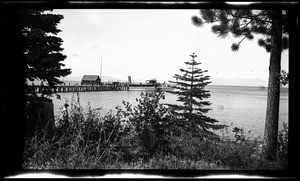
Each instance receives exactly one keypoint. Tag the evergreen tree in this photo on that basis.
(41, 47)
(189, 88)
(273, 26)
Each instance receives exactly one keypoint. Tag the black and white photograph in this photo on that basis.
(175, 88)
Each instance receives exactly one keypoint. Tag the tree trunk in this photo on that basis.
(272, 113)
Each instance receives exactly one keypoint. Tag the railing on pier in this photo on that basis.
(79, 88)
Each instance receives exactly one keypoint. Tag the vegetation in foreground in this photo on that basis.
(150, 135)
(143, 137)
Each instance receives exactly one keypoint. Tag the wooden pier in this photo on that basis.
(142, 85)
(79, 88)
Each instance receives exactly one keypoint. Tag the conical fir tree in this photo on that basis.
(189, 88)
(42, 47)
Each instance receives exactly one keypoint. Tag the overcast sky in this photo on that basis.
(148, 44)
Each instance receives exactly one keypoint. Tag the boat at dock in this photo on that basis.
(149, 88)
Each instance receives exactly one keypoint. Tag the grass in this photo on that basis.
(111, 141)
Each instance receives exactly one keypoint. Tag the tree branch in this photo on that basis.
(242, 40)
(251, 17)
(239, 28)
(245, 36)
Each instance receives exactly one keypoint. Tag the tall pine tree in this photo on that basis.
(273, 26)
(190, 89)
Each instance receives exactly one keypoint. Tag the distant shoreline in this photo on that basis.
(244, 86)
(73, 82)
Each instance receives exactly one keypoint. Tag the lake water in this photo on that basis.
(241, 106)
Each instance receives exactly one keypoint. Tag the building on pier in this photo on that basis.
(90, 80)
(152, 81)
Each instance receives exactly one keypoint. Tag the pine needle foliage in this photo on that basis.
(42, 47)
(243, 24)
(190, 89)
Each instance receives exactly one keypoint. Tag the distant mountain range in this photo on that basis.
(239, 81)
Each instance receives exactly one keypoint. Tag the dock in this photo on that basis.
(79, 88)
(92, 88)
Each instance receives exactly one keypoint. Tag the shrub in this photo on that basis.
(234, 154)
(173, 162)
(165, 162)
(185, 146)
(240, 153)
(150, 123)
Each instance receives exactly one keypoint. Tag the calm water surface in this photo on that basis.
(238, 105)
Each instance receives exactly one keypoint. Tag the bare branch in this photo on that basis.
(242, 39)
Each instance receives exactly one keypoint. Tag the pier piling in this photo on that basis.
(80, 88)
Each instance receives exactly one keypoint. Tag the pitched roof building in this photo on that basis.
(90, 80)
